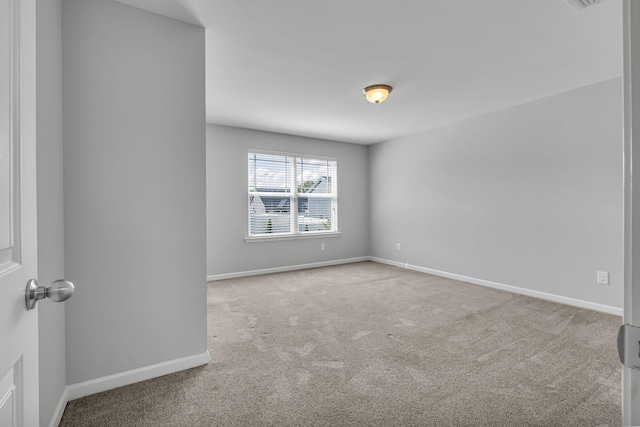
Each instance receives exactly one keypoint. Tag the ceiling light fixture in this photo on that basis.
(376, 93)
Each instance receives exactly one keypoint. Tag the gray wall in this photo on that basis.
(227, 212)
(50, 207)
(134, 188)
(528, 196)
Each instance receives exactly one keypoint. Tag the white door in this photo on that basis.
(18, 327)
(631, 33)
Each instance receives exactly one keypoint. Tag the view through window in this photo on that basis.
(291, 194)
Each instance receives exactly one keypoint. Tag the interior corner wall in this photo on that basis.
(51, 317)
(134, 188)
(227, 210)
(529, 196)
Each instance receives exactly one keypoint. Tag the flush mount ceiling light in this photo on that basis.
(376, 93)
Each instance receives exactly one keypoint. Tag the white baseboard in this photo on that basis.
(57, 414)
(514, 289)
(85, 388)
(286, 268)
(522, 291)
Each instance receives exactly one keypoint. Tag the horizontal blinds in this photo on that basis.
(270, 194)
(315, 183)
(316, 215)
(269, 173)
(314, 176)
(285, 190)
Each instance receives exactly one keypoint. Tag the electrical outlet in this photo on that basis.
(603, 278)
(397, 246)
(322, 246)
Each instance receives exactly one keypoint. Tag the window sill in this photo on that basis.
(256, 239)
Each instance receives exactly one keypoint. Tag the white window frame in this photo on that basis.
(294, 196)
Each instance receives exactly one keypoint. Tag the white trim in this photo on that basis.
(514, 289)
(509, 288)
(62, 404)
(285, 268)
(85, 388)
(278, 237)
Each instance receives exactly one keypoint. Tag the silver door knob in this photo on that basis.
(60, 290)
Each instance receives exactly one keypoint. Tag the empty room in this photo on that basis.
(339, 213)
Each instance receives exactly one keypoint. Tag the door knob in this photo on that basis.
(60, 290)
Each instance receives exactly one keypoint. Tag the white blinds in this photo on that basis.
(291, 195)
(314, 176)
(315, 180)
(270, 194)
(270, 173)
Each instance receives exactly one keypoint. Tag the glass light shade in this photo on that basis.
(376, 93)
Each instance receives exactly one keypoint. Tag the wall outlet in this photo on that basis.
(603, 278)
(322, 246)
(397, 246)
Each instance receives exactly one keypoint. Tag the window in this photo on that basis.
(290, 195)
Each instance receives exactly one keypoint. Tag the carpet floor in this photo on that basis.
(367, 344)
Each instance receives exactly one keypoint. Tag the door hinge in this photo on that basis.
(629, 346)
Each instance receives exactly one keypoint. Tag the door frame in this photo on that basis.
(631, 118)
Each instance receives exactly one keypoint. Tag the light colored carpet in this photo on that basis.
(371, 345)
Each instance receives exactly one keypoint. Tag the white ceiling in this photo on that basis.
(298, 67)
